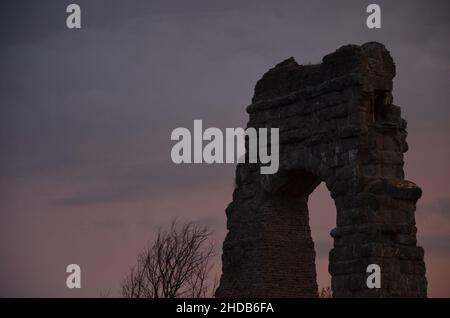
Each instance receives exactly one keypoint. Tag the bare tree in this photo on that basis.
(105, 293)
(177, 264)
(326, 292)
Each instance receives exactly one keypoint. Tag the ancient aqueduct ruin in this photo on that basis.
(338, 125)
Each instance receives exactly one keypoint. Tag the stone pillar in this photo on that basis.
(338, 125)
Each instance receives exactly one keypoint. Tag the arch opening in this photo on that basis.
(309, 211)
(320, 214)
(322, 219)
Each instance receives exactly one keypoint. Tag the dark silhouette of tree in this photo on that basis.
(326, 292)
(177, 264)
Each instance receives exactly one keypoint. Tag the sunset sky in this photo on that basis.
(86, 116)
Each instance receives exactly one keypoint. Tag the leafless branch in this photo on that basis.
(177, 264)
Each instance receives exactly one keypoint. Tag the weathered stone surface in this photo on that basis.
(338, 125)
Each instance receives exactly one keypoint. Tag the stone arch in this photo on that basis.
(338, 124)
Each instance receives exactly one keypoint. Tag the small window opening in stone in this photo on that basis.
(380, 105)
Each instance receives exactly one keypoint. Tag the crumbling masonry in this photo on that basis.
(338, 125)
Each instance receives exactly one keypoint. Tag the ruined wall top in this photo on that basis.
(371, 59)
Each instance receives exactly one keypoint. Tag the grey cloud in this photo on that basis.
(135, 72)
(435, 245)
(148, 182)
(323, 248)
(439, 207)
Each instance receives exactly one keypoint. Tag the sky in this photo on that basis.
(86, 116)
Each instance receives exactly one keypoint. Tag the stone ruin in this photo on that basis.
(338, 125)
